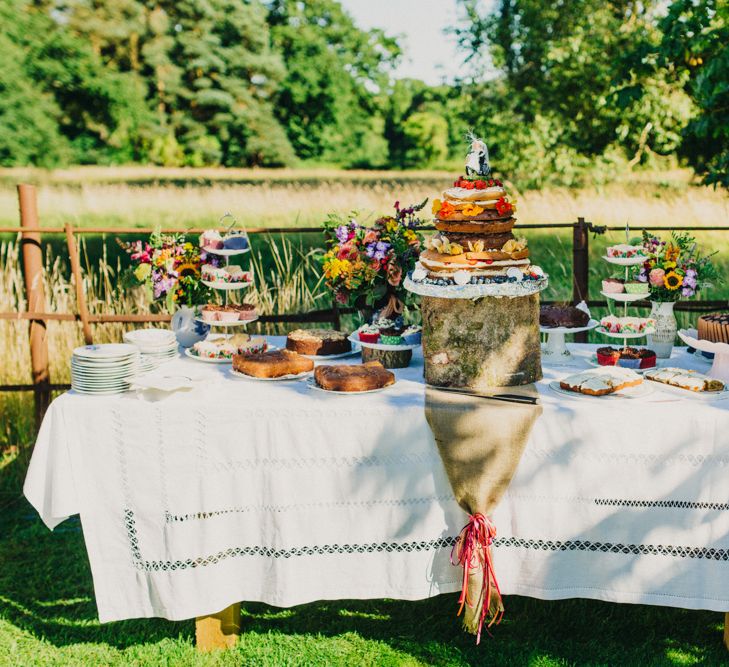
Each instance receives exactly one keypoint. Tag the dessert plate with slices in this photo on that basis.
(351, 380)
(688, 383)
(607, 382)
(220, 349)
(311, 383)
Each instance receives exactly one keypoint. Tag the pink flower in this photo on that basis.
(656, 277)
(342, 297)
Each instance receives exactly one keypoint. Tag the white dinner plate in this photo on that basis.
(106, 351)
(638, 391)
(311, 383)
(243, 376)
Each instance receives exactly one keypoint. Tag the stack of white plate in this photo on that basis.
(156, 345)
(104, 369)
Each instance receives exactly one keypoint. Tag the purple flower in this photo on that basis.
(689, 280)
(642, 276)
(688, 292)
(342, 233)
(381, 250)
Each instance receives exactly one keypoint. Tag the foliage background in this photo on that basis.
(565, 92)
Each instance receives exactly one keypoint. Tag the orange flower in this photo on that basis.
(446, 210)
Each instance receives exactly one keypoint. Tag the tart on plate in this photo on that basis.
(601, 381)
(272, 364)
(364, 377)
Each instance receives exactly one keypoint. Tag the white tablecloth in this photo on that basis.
(274, 492)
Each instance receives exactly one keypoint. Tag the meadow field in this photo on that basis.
(47, 613)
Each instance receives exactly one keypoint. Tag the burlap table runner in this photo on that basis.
(480, 442)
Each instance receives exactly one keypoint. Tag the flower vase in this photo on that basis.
(661, 342)
(188, 330)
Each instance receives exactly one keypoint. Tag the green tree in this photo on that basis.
(570, 82)
(695, 45)
(330, 101)
(209, 72)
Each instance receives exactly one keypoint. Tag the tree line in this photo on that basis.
(559, 89)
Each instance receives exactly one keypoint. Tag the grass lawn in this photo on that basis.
(48, 617)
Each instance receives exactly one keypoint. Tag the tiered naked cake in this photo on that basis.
(480, 292)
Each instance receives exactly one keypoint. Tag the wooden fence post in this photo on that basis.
(35, 296)
(580, 267)
(83, 311)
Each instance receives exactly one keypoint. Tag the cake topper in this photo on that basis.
(477, 160)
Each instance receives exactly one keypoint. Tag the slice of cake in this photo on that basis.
(364, 377)
(272, 364)
(318, 342)
(601, 381)
(685, 379)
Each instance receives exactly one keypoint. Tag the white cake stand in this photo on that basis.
(555, 351)
(720, 368)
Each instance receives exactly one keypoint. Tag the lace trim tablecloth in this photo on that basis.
(272, 492)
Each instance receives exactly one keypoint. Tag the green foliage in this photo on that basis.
(695, 45)
(328, 99)
(576, 81)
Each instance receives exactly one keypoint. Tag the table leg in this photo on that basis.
(219, 630)
(726, 630)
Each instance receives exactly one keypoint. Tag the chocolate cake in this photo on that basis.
(364, 377)
(714, 327)
(318, 342)
(562, 316)
(272, 364)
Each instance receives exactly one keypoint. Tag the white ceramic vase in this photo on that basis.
(187, 330)
(661, 342)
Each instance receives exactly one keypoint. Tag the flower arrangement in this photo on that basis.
(170, 265)
(674, 269)
(366, 265)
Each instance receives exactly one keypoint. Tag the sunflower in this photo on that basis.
(188, 269)
(672, 280)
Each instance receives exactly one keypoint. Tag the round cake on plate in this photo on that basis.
(318, 342)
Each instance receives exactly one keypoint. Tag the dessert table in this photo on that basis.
(274, 492)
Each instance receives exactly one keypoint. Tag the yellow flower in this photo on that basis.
(669, 265)
(472, 210)
(672, 253)
(672, 280)
(391, 225)
(410, 235)
(436, 206)
(188, 246)
(141, 273)
(337, 267)
(188, 269)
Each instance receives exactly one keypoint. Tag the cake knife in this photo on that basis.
(510, 398)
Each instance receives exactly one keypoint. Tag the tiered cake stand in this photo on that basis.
(226, 288)
(624, 298)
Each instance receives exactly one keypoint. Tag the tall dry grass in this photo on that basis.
(288, 283)
(106, 197)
